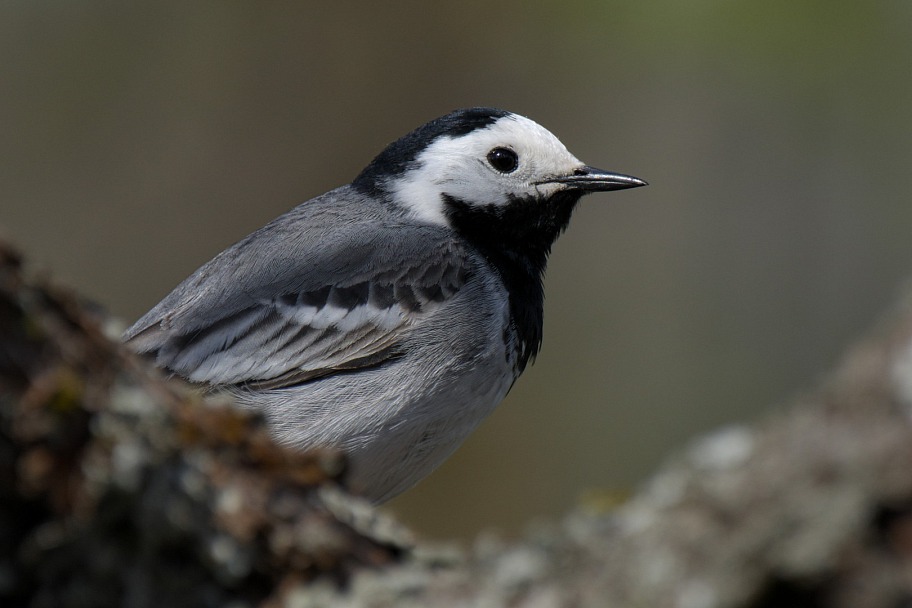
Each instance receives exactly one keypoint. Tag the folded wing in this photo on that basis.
(284, 307)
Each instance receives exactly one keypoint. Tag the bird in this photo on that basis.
(388, 317)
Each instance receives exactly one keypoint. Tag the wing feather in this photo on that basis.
(306, 296)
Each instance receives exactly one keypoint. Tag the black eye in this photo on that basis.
(503, 159)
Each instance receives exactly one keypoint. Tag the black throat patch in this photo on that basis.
(516, 239)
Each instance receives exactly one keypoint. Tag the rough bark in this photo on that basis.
(122, 488)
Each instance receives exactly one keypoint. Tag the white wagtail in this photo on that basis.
(388, 317)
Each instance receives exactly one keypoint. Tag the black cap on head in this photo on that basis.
(397, 156)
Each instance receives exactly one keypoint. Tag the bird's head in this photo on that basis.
(481, 158)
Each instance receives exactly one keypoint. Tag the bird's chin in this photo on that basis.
(546, 190)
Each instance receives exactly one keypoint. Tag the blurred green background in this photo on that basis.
(139, 139)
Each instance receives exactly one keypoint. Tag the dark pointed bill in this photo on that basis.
(591, 179)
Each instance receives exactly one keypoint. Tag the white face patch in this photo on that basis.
(459, 167)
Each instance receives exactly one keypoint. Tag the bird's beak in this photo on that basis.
(590, 179)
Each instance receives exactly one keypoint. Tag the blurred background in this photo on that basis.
(139, 139)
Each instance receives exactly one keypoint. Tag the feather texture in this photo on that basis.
(268, 313)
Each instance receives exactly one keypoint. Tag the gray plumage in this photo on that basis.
(377, 318)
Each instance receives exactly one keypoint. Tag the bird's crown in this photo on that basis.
(478, 156)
